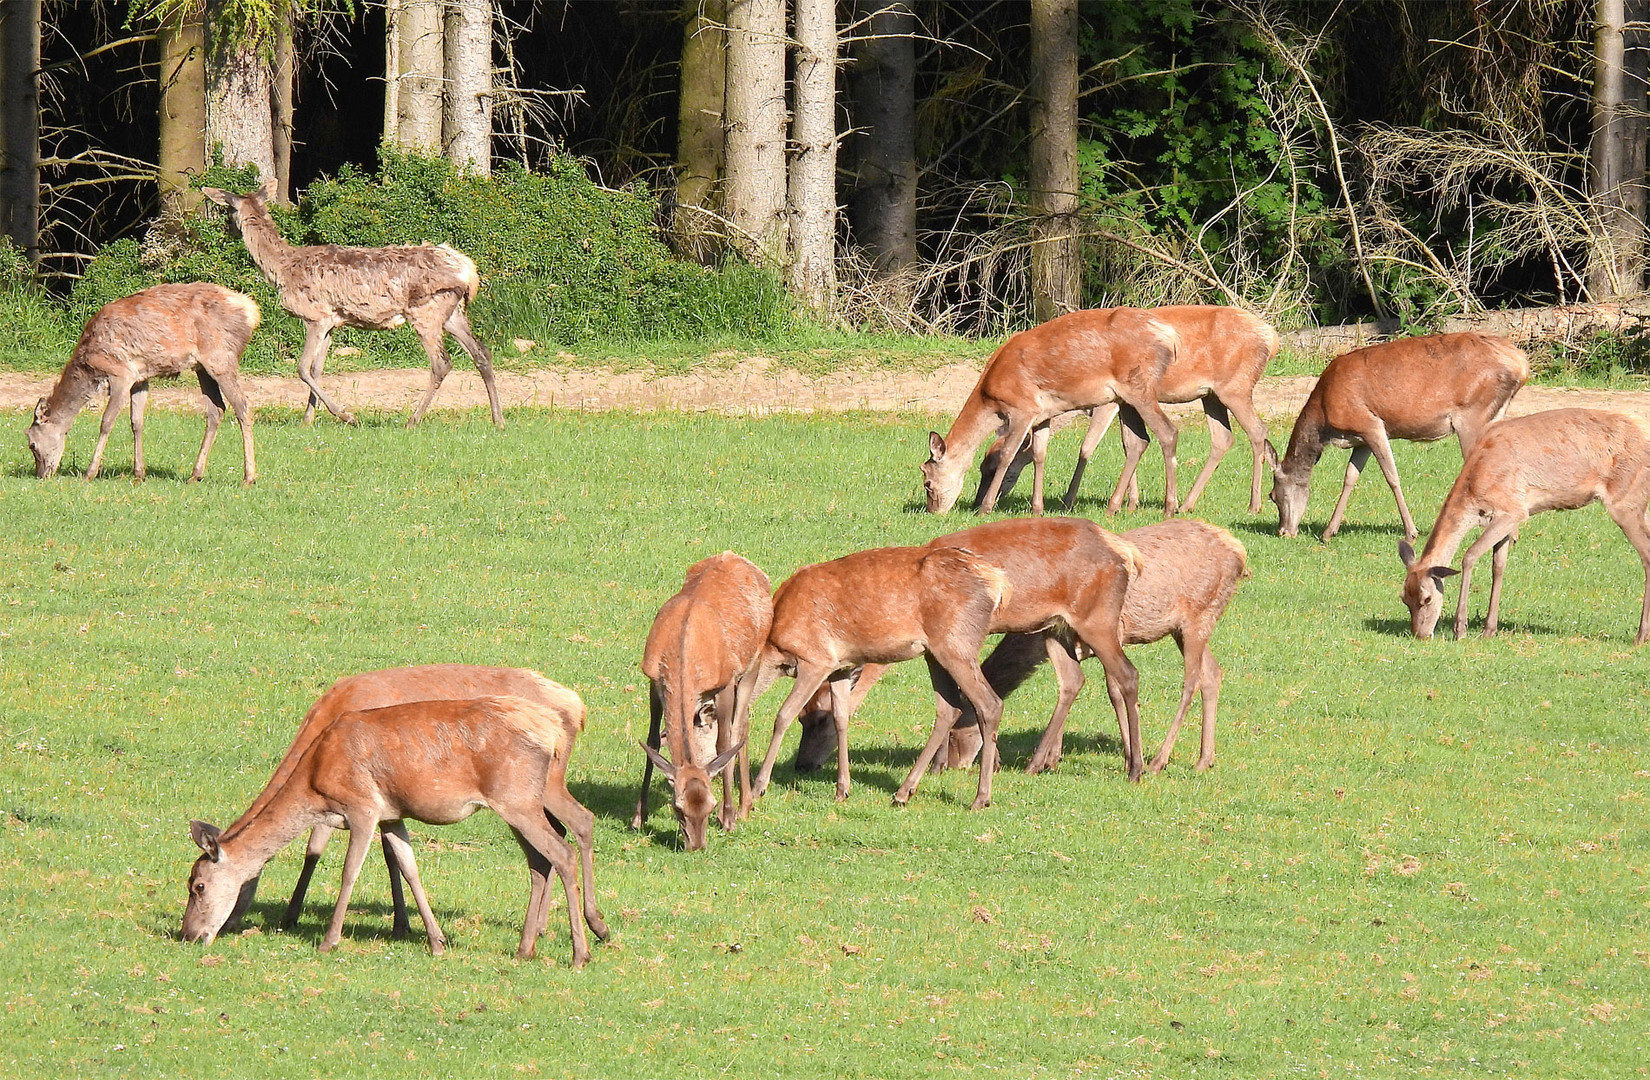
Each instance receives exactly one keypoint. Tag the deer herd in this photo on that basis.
(436, 742)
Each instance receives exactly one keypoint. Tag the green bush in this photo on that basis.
(36, 336)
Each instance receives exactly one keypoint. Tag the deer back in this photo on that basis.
(1189, 573)
(1079, 360)
(165, 330)
(1221, 348)
(1561, 459)
(1415, 385)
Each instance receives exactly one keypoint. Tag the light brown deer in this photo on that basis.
(702, 658)
(1072, 363)
(161, 331)
(1223, 353)
(328, 286)
(399, 686)
(1558, 460)
(432, 761)
(881, 606)
(1419, 389)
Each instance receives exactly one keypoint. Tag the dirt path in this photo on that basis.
(752, 387)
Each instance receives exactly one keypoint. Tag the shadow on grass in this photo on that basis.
(1399, 627)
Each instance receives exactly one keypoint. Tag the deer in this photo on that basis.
(161, 331)
(1075, 362)
(432, 761)
(1223, 353)
(1562, 459)
(702, 659)
(375, 288)
(399, 686)
(1419, 389)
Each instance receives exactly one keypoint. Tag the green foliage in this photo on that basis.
(1617, 359)
(35, 333)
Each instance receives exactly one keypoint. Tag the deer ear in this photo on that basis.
(1406, 553)
(936, 445)
(1439, 573)
(219, 196)
(266, 191)
(1269, 454)
(40, 412)
(720, 761)
(660, 762)
(206, 838)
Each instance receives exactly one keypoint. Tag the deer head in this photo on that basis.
(220, 888)
(1289, 493)
(242, 206)
(1423, 591)
(942, 475)
(46, 442)
(692, 799)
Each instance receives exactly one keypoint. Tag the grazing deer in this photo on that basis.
(161, 331)
(881, 606)
(328, 286)
(1223, 353)
(702, 658)
(1075, 362)
(432, 761)
(1418, 388)
(399, 686)
(1558, 460)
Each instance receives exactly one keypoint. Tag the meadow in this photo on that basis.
(1410, 857)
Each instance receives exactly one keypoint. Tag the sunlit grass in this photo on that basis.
(1409, 855)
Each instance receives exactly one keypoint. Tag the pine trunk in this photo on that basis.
(418, 25)
(756, 127)
(240, 107)
(813, 169)
(20, 125)
(1615, 172)
(882, 88)
(1056, 253)
(700, 141)
(182, 110)
(467, 121)
(285, 94)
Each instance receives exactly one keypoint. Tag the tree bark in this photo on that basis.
(882, 92)
(240, 106)
(813, 169)
(418, 28)
(285, 98)
(700, 140)
(1056, 252)
(756, 127)
(467, 121)
(20, 125)
(182, 110)
(1615, 175)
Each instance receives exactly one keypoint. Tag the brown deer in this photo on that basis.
(1223, 353)
(881, 606)
(702, 658)
(161, 331)
(399, 686)
(1558, 460)
(1072, 363)
(433, 761)
(328, 286)
(1419, 389)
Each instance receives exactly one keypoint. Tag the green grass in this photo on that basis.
(1409, 856)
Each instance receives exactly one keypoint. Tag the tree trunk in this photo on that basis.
(882, 89)
(1056, 253)
(285, 91)
(418, 77)
(700, 142)
(240, 109)
(813, 169)
(756, 126)
(1615, 175)
(182, 110)
(467, 121)
(20, 125)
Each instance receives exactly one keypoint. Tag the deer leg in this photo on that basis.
(398, 854)
(317, 339)
(119, 394)
(1069, 674)
(212, 402)
(1100, 419)
(229, 385)
(1158, 423)
(1017, 432)
(1039, 459)
(1193, 654)
(727, 705)
(841, 709)
(140, 401)
(760, 677)
(1212, 676)
(1135, 441)
(1122, 686)
(1498, 529)
(537, 918)
(1629, 515)
(949, 694)
(440, 363)
(318, 837)
(561, 806)
(1220, 441)
(458, 325)
(1244, 412)
(809, 677)
(1389, 468)
(360, 841)
(535, 830)
(655, 708)
(1354, 466)
(1498, 568)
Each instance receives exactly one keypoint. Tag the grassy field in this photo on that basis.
(1410, 856)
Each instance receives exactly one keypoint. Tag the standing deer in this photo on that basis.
(399, 686)
(433, 761)
(1558, 460)
(702, 659)
(161, 331)
(1075, 362)
(1419, 389)
(1223, 353)
(328, 286)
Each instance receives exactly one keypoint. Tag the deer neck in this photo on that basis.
(1448, 531)
(269, 251)
(1305, 448)
(274, 820)
(974, 425)
(71, 393)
